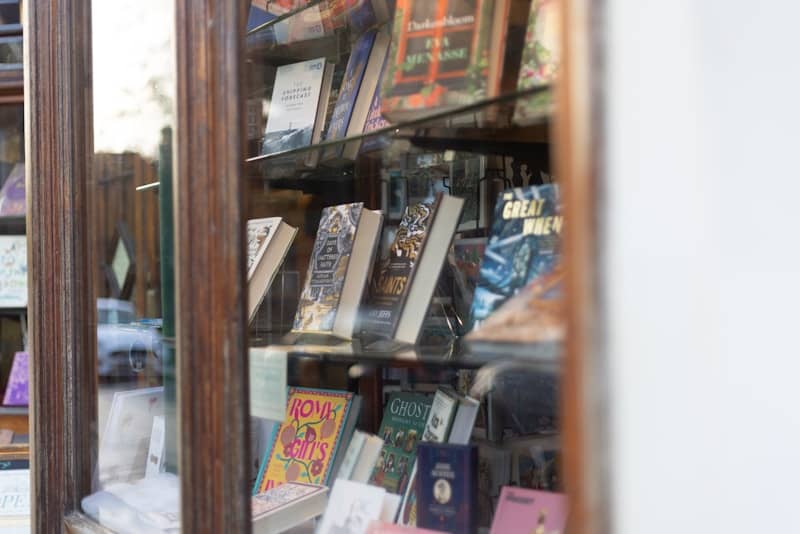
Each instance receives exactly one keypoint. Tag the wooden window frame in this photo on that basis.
(212, 377)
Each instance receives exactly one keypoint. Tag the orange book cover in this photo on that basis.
(304, 446)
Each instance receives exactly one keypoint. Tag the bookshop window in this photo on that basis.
(135, 484)
(404, 265)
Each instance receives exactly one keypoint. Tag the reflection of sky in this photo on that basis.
(134, 66)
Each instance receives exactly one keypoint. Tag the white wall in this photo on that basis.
(702, 264)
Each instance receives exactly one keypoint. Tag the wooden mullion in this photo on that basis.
(210, 267)
(61, 313)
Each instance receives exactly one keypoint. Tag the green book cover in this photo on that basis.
(401, 429)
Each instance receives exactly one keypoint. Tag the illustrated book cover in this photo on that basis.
(404, 282)
(355, 95)
(287, 505)
(268, 241)
(293, 112)
(540, 60)
(12, 195)
(524, 511)
(17, 386)
(351, 508)
(403, 423)
(439, 57)
(338, 270)
(447, 487)
(304, 447)
(523, 247)
(13, 271)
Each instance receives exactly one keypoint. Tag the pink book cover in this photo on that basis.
(524, 511)
(382, 527)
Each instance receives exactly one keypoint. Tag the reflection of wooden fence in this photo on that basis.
(116, 200)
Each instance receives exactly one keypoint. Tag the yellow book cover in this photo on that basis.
(305, 445)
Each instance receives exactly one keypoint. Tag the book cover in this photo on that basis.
(304, 446)
(293, 106)
(316, 310)
(17, 386)
(375, 120)
(402, 426)
(443, 410)
(351, 508)
(388, 289)
(524, 245)
(12, 195)
(282, 497)
(447, 487)
(385, 527)
(465, 260)
(351, 84)
(13, 271)
(523, 511)
(259, 234)
(351, 456)
(540, 59)
(439, 55)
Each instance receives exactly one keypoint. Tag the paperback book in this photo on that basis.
(447, 487)
(304, 447)
(338, 270)
(524, 248)
(403, 423)
(268, 241)
(523, 511)
(540, 60)
(286, 506)
(351, 508)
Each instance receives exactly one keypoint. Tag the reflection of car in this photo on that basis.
(124, 347)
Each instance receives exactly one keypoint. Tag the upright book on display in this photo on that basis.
(524, 511)
(404, 283)
(519, 288)
(447, 488)
(540, 60)
(338, 270)
(298, 104)
(355, 95)
(268, 241)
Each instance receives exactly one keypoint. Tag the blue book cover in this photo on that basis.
(375, 119)
(447, 487)
(351, 84)
(523, 248)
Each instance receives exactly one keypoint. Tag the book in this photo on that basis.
(296, 107)
(540, 60)
(351, 455)
(338, 270)
(286, 506)
(12, 195)
(447, 487)
(268, 241)
(404, 282)
(15, 496)
(13, 271)
(524, 246)
(464, 420)
(17, 386)
(385, 527)
(369, 449)
(304, 446)
(351, 508)
(356, 94)
(402, 426)
(439, 58)
(524, 511)
(155, 452)
(465, 261)
(124, 443)
(375, 120)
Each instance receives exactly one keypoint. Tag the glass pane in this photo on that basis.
(134, 96)
(404, 279)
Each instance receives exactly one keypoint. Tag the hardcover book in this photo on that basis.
(524, 247)
(12, 195)
(404, 282)
(523, 511)
(540, 59)
(356, 94)
(286, 506)
(338, 270)
(440, 56)
(351, 508)
(17, 386)
(402, 426)
(268, 241)
(447, 487)
(304, 446)
(293, 120)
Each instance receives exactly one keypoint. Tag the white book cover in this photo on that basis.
(293, 106)
(15, 492)
(259, 234)
(440, 417)
(13, 271)
(351, 507)
(283, 496)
